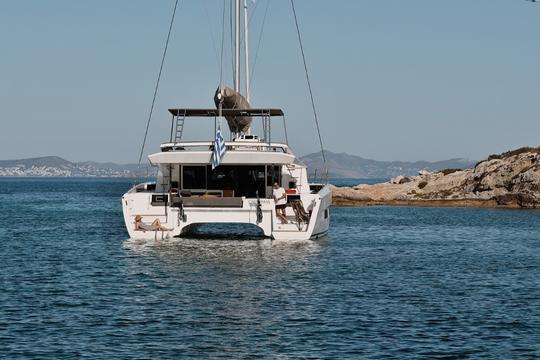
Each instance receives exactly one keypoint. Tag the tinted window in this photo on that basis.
(244, 180)
(274, 175)
(194, 177)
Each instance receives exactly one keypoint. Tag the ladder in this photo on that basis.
(179, 127)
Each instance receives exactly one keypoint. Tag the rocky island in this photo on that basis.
(509, 180)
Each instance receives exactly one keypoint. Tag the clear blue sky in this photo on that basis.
(393, 80)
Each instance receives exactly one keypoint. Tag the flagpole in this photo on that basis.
(219, 143)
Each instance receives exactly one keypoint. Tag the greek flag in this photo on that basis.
(219, 149)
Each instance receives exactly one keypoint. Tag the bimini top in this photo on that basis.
(225, 112)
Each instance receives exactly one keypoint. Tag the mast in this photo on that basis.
(246, 48)
(237, 45)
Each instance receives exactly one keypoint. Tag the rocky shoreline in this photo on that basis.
(508, 180)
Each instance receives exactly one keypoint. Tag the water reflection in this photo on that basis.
(210, 244)
(241, 251)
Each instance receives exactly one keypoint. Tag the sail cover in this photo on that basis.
(231, 99)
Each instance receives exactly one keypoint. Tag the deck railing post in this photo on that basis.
(269, 129)
(285, 129)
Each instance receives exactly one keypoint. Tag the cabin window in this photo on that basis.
(237, 180)
(326, 213)
(221, 178)
(194, 177)
(273, 175)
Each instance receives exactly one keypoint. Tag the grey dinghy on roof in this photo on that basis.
(256, 180)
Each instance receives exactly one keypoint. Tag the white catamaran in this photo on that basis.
(218, 181)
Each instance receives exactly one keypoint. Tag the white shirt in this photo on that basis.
(279, 192)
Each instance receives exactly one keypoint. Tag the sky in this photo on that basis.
(392, 80)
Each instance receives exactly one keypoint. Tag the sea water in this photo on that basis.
(386, 282)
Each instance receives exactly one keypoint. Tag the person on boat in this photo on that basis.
(155, 226)
(280, 197)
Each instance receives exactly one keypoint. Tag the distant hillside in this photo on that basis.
(343, 165)
(340, 166)
(56, 166)
(53, 161)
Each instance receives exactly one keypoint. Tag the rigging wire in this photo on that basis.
(309, 87)
(259, 42)
(231, 37)
(252, 14)
(210, 29)
(220, 106)
(222, 44)
(157, 81)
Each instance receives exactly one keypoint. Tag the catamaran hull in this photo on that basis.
(180, 220)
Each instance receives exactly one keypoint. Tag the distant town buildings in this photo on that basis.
(76, 171)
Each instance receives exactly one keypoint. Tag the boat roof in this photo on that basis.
(225, 112)
(246, 157)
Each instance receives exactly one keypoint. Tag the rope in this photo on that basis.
(157, 82)
(309, 87)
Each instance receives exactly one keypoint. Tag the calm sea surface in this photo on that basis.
(387, 282)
